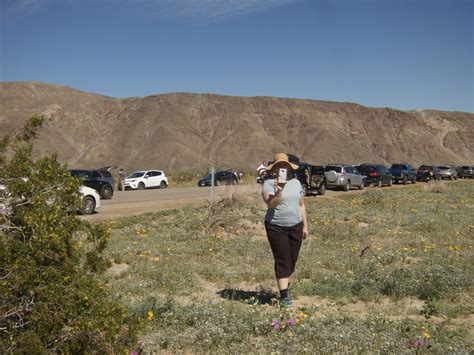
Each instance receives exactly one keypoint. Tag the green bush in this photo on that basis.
(52, 296)
(400, 282)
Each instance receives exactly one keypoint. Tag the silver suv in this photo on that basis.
(343, 176)
(447, 172)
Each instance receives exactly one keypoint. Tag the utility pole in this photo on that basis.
(213, 171)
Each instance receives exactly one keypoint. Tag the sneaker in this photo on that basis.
(286, 302)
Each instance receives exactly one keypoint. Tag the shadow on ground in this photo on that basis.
(251, 297)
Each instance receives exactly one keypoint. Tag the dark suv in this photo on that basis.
(100, 180)
(403, 173)
(465, 171)
(376, 174)
(227, 177)
(428, 172)
(312, 178)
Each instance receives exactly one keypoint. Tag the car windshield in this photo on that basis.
(337, 169)
(136, 174)
(317, 169)
(208, 176)
(364, 169)
(424, 167)
(443, 167)
(397, 166)
(465, 167)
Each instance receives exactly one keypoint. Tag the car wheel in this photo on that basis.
(379, 183)
(322, 189)
(107, 193)
(163, 185)
(141, 186)
(405, 180)
(362, 185)
(413, 181)
(347, 186)
(88, 205)
(390, 182)
(218, 183)
(234, 182)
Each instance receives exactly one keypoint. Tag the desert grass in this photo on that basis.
(388, 270)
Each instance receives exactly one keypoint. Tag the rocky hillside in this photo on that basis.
(188, 132)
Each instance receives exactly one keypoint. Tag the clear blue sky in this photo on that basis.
(405, 54)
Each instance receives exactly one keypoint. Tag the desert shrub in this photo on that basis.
(438, 281)
(366, 281)
(400, 282)
(52, 296)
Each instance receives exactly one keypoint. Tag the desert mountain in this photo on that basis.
(188, 132)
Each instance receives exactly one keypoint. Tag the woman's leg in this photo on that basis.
(283, 283)
(281, 249)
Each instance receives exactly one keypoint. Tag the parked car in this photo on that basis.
(97, 180)
(106, 175)
(447, 172)
(403, 173)
(343, 176)
(145, 179)
(428, 172)
(376, 174)
(312, 178)
(465, 171)
(225, 177)
(90, 200)
(89, 196)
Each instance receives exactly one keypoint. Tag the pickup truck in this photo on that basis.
(403, 173)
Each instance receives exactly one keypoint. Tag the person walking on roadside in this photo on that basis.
(285, 221)
(121, 180)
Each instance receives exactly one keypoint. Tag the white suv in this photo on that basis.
(90, 200)
(140, 180)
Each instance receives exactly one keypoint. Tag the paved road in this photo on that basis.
(130, 203)
(134, 202)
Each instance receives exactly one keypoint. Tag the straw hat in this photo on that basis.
(282, 158)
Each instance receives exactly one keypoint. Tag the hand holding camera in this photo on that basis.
(282, 178)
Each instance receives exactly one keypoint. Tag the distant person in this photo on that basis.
(262, 170)
(121, 180)
(285, 221)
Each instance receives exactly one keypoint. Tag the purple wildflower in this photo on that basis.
(276, 324)
(291, 321)
(419, 343)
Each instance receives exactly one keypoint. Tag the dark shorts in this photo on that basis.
(285, 243)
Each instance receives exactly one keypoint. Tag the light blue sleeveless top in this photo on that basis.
(288, 211)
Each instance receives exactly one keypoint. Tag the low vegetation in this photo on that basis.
(387, 270)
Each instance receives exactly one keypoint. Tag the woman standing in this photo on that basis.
(285, 221)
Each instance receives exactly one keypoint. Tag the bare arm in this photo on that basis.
(305, 219)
